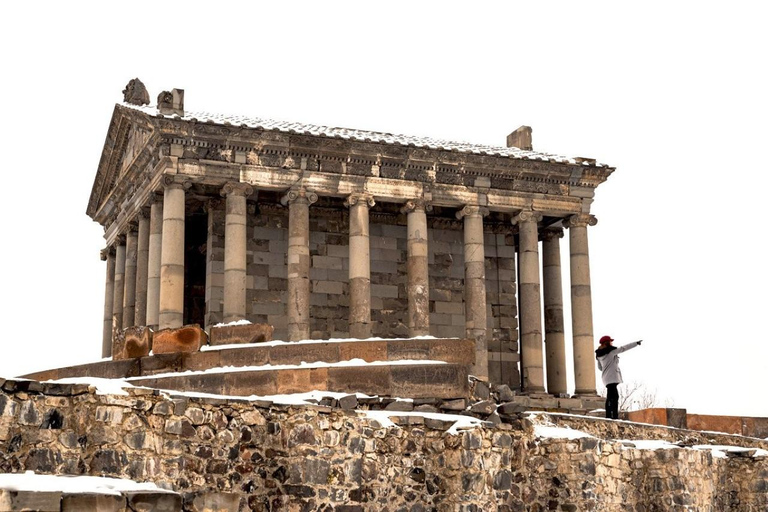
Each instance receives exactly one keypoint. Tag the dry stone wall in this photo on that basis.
(298, 458)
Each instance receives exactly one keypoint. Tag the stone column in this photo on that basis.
(108, 255)
(172, 258)
(475, 308)
(235, 244)
(298, 201)
(119, 288)
(129, 297)
(359, 265)
(153, 260)
(581, 304)
(554, 328)
(530, 301)
(142, 262)
(418, 267)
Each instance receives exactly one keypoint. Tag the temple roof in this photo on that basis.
(364, 136)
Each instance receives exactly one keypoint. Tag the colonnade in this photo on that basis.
(145, 278)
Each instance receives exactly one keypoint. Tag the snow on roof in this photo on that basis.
(30, 481)
(361, 135)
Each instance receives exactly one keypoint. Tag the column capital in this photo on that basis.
(176, 181)
(120, 240)
(472, 211)
(416, 205)
(132, 227)
(155, 197)
(236, 188)
(106, 252)
(212, 204)
(551, 234)
(527, 216)
(144, 213)
(297, 194)
(363, 198)
(580, 220)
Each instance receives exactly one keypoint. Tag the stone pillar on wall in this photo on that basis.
(554, 327)
(359, 265)
(108, 255)
(172, 258)
(119, 287)
(153, 260)
(530, 301)
(142, 263)
(581, 304)
(418, 267)
(129, 292)
(475, 308)
(235, 239)
(298, 201)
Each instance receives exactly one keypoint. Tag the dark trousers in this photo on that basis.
(612, 402)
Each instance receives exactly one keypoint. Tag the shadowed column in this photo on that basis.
(530, 301)
(129, 292)
(298, 201)
(359, 265)
(153, 260)
(108, 255)
(554, 328)
(475, 308)
(581, 304)
(418, 267)
(142, 261)
(172, 258)
(235, 239)
(119, 288)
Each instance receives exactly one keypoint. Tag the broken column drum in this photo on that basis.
(427, 240)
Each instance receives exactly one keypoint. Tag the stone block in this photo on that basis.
(433, 381)
(372, 380)
(301, 380)
(366, 350)
(451, 308)
(161, 363)
(92, 503)
(14, 501)
(295, 353)
(398, 350)
(458, 351)
(137, 342)
(200, 360)
(184, 339)
(242, 333)
(244, 356)
(326, 262)
(263, 382)
(215, 502)
(330, 287)
(143, 501)
(384, 291)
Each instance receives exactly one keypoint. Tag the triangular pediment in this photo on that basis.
(126, 140)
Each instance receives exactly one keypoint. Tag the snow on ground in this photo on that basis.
(275, 343)
(102, 386)
(460, 422)
(30, 481)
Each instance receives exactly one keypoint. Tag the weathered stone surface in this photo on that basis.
(153, 501)
(215, 502)
(241, 333)
(92, 503)
(184, 339)
(15, 501)
(135, 342)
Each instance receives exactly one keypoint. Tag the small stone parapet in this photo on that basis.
(269, 456)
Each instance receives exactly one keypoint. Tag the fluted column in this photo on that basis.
(359, 265)
(142, 262)
(172, 258)
(153, 260)
(129, 292)
(235, 240)
(418, 267)
(475, 315)
(298, 201)
(581, 304)
(119, 287)
(554, 327)
(108, 255)
(530, 301)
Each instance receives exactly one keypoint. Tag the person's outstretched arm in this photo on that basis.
(628, 346)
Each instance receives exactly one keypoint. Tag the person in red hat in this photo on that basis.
(608, 362)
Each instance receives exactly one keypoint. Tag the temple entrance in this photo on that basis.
(195, 239)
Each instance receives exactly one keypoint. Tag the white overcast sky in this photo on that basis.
(673, 94)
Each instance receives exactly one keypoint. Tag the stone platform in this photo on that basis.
(414, 368)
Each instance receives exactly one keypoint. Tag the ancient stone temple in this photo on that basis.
(338, 233)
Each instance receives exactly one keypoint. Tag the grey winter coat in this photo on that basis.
(608, 362)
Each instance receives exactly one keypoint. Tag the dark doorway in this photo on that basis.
(195, 240)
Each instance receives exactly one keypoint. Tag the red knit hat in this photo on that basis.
(605, 339)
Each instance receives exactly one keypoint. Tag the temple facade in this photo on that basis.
(338, 233)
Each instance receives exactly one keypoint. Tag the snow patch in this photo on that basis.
(102, 386)
(30, 481)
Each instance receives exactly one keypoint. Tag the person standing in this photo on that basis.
(608, 362)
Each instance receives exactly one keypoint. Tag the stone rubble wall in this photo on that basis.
(296, 458)
(329, 280)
